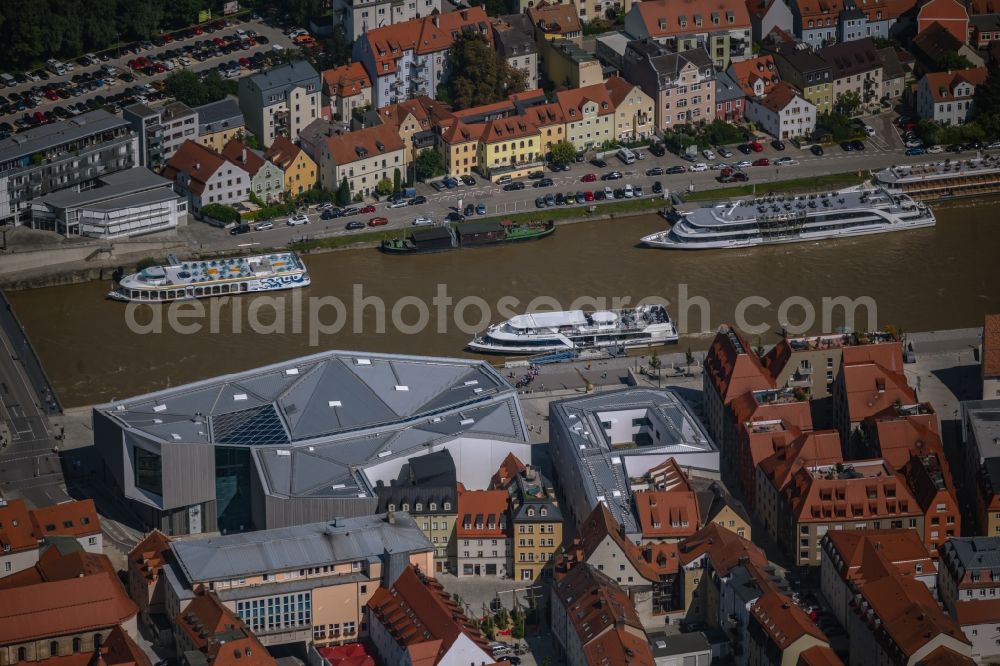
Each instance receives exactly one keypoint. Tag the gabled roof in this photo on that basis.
(76, 519)
(819, 655)
(16, 530)
(724, 549)
(850, 58)
(820, 8)
(945, 656)
(977, 611)
(423, 35)
(782, 620)
(508, 470)
(346, 81)
(667, 18)
(819, 447)
(941, 85)
(600, 524)
(619, 647)
(555, 18)
(484, 511)
(748, 72)
(667, 514)
(426, 111)
(618, 89)
(282, 152)
(420, 615)
(887, 354)
(59, 608)
(243, 157)
(55, 564)
(870, 388)
(891, 550)
(733, 367)
(594, 602)
(220, 634)
(781, 96)
(573, 101)
(198, 162)
(364, 143)
(859, 490)
(149, 555)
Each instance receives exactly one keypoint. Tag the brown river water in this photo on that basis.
(937, 278)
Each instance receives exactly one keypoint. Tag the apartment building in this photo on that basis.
(968, 570)
(146, 580)
(816, 22)
(856, 67)
(589, 114)
(206, 628)
(358, 17)
(482, 536)
(988, 498)
(946, 97)
(409, 59)
(783, 113)
(345, 89)
(569, 64)
(853, 558)
(459, 145)
(870, 381)
(669, 511)
(161, 131)
(803, 68)
(299, 169)
(594, 621)
(951, 15)
(123, 204)
(780, 632)
(427, 489)
(513, 36)
(980, 443)
(555, 20)
(827, 496)
(267, 181)
(722, 29)
(414, 120)
(219, 123)
(766, 15)
(756, 76)
(738, 591)
(280, 101)
(363, 158)
(649, 574)
(66, 607)
(989, 355)
(24, 531)
(536, 525)
(415, 621)
(680, 84)
(894, 75)
(730, 100)
(327, 572)
(206, 177)
(71, 154)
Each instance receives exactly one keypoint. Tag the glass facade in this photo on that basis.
(148, 471)
(232, 489)
(289, 611)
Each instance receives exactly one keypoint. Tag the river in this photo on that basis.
(937, 278)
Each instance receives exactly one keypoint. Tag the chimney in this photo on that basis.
(243, 155)
(197, 166)
(436, 19)
(390, 517)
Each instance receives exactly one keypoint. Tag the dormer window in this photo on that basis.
(543, 511)
(531, 512)
(406, 506)
(392, 507)
(433, 506)
(418, 507)
(447, 506)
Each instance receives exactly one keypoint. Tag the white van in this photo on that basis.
(55, 67)
(626, 155)
(8, 80)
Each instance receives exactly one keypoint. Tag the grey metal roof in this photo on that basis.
(176, 109)
(115, 186)
(217, 116)
(616, 41)
(289, 548)
(314, 424)
(141, 110)
(726, 88)
(42, 138)
(604, 467)
(519, 38)
(279, 80)
(981, 418)
(976, 553)
(667, 645)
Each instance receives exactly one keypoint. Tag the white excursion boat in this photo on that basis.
(791, 219)
(575, 330)
(216, 277)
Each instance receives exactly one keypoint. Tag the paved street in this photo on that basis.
(885, 150)
(274, 35)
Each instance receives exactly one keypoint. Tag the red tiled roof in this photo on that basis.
(423, 35)
(425, 110)
(820, 447)
(484, 511)
(557, 18)
(899, 549)
(197, 161)
(819, 496)
(75, 519)
(459, 132)
(363, 144)
(599, 525)
(572, 101)
(282, 152)
(782, 620)
(16, 531)
(977, 611)
(870, 388)
(902, 436)
(117, 649)
(724, 549)
(945, 656)
(243, 157)
(508, 470)
(819, 655)
(594, 602)
(733, 367)
(505, 129)
(75, 605)
(350, 654)
(761, 68)
(667, 514)
(418, 611)
(887, 354)
(781, 96)
(991, 346)
(53, 565)
(941, 85)
(618, 89)
(346, 81)
(619, 647)
(220, 634)
(662, 18)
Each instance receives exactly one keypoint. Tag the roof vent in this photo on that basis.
(362, 361)
(292, 371)
(239, 397)
(400, 387)
(334, 403)
(159, 408)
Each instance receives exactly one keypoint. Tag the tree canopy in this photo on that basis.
(986, 104)
(428, 164)
(187, 87)
(847, 104)
(478, 74)
(563, 151)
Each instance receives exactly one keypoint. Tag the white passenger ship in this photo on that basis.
(216, 277)
(947, 179)
(576, 330)
(792, 219)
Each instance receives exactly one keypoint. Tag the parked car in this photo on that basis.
(847, 146)
(481, 209)
(367, 209)
(935, 149)
(658, 149)
(744, 148)
(418, 221)
(816, 150)
(540, 202)
(785, 161)
(699, 166)
(724, 152)
(761, 162)
(516, 185)
(655, 171)
(674, 170)
(264, 225)
(536, 175)
(858, 144)
(378, 222)
(599, 163)
(417, 200)
(239, 229)
(657, 187)
(354, 225)
(708, 154)
(778, 144)
(612, 175)
(915, 150)
(296, 220)
(468, 180)
(589, 178)
(756, 147)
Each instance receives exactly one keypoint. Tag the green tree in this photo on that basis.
(952, 60)
(220, 212)
(343, 193)
(478, 74)
(563, 151)
(181, 12)
(185, 86)
(397, 181)
(302, 10)
(986, 104)
(383, 187)
(847, 104)
(140, 19)
(428, 164)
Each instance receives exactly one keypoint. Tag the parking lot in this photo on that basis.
(119, 77)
